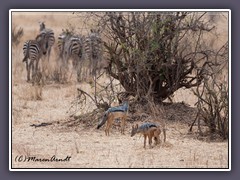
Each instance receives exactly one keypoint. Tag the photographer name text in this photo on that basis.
(22, 158)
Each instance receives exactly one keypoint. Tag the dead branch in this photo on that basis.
(41, 125)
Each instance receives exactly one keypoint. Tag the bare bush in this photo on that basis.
(153, 54)
(16, 35)
(213, 104)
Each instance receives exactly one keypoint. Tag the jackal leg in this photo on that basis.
(150, 140)
(156, 135)
(123, 119)
(145, 137)
(109, 124)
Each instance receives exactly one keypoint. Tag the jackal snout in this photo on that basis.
(134, 130)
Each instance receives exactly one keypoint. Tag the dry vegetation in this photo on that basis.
(88, 147)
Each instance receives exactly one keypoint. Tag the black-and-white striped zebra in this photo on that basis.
(70, 46)
(93, 49)
(49, 34)
(34, 50)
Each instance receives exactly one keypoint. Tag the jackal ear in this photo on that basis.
(136, 126)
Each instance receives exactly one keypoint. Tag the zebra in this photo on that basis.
(33, 50)
(93, 49)
(70, 46)
(49, 36)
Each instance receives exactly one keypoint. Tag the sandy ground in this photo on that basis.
(90, 148)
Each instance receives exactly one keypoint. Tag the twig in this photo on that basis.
(40, 125)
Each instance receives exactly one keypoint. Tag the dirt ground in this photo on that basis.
(90, 148)
(84, 146)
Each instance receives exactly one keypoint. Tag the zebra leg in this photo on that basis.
(48, 53)
(35, 70)
(90, 66)
(59, 68)
(27, 68)
(79, 71)
(46, 68)
(30, 66)
(64, 67)
(33, 64)
(62, 71)
(94, 67)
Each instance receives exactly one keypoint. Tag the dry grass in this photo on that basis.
(92, 149)
(88, 147)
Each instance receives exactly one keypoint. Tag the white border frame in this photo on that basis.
(119, 10)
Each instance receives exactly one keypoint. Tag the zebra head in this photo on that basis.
(43, 42)
(95, 35)
(64, 36)
(42, 25)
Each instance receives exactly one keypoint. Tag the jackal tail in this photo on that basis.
(103, 121)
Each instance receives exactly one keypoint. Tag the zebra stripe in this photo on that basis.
(75, 47)
(49, 34)
(33, 50)
(93, 45)
(60, 43)
(70, 46)
(93, 49)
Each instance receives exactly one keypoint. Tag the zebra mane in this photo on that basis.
(67, 32)
(40, 37)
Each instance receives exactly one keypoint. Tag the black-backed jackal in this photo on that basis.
(113, 113)
(149, 130)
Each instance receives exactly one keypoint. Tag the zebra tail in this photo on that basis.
(27, 53)
(104, 119)
(25, 58)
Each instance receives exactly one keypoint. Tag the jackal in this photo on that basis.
(150, 130)
(113, 113)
